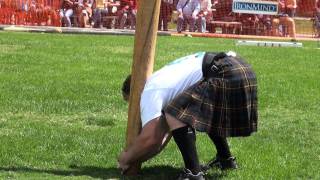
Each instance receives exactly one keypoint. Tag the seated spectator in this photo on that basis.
(188, 11)
(249, 23)
(223, 12)
(165, 14)
(103, 8)
(84, 12)
(264, 25)
(317, 17)
(66, 12)
(127, 14)
(204, 16)
(112, 11)
(284, 23)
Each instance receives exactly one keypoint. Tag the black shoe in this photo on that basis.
(187, 175)
(223, 164)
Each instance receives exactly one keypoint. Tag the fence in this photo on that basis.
(30, 12)
(223, 18)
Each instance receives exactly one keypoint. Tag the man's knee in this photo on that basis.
(173, 123)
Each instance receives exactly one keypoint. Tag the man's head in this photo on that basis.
(126, 88)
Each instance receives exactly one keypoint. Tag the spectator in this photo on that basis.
(317, 18)
(223, 12)
(204, 15)
(112, 11)
(84, 12)
(66, 12)
(165, 14)
(288, 7)
(188, 11)
(284, 22)
(264, 24)
(127, 15)
(99, 9)
(249, 23)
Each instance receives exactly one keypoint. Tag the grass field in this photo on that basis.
(62, 115)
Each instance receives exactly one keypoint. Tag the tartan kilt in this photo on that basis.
(223, 105)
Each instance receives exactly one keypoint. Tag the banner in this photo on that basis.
(255, 7)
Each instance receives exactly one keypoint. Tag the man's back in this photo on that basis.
(168, 82)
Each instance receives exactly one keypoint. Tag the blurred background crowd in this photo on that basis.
(203, 16)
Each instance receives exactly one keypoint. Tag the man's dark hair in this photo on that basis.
(126, 85)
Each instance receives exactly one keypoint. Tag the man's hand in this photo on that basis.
(122, 163)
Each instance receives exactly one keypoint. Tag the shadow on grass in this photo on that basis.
(154, 172)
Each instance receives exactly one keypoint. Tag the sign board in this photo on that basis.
(269, 43)
(255, 7)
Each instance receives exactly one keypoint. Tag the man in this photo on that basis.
(99, 9)
(289, 7)
(207, 92)
(204, 15)
(285, 19)
(127, 14)
(165, 14)
(188, 11)
(105, 8)
(83, 9)
(66, 12)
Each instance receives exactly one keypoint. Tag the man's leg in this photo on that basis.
(185, 139)
(192, 23)
(223, 159)
(96, 18)
(68, 14)
(180, 24)
(132, 19)
(222, 146)
(160, 22)
(123, 20)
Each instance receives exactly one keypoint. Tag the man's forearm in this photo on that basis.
(157, 149)
(147, 144)
(139, 150)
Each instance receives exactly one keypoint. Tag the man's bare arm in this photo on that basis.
(148, 143)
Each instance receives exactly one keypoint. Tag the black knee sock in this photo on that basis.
(185, 138)
(222, 146)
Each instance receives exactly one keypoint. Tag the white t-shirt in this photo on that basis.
(166, 83)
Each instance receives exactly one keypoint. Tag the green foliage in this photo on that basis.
(62, 115)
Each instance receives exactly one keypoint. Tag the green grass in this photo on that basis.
(62, 116)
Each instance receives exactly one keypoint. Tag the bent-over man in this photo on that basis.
(208, 92)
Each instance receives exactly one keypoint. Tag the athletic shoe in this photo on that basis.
(186, 174)
(223, 164)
